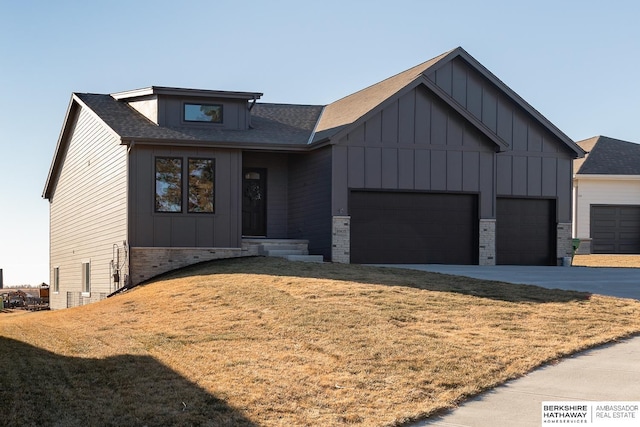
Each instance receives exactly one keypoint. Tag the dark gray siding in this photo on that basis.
(310, 200)
(416, 142)
(235, 113)
(536, 163)
(277, 188)
(152, 229)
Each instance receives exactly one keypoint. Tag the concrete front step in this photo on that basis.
(292, 248)
(285, 252)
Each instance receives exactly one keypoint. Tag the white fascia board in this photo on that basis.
(597, 177)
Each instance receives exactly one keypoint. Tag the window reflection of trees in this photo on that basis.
(201, 185)
(168, 184)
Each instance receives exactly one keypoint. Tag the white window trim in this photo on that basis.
(84, 284)
(56, 279)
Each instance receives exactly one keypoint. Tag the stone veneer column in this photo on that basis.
(564, 242)
(487, 252)
(341, 239)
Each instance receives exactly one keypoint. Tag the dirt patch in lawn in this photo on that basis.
(274, 343)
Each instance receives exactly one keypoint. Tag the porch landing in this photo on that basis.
(291, 249)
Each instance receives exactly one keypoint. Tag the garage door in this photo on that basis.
(525, 232)
(615, 229)
(415, 228)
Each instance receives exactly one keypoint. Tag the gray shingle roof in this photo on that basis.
(608, 156)
(270, 124)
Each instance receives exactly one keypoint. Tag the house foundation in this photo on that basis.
(147, 262)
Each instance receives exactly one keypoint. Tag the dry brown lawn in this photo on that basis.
(606, 261)
(266, 342)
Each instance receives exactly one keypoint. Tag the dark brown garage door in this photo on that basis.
(413, 228)
(615, 229)
(525, 231)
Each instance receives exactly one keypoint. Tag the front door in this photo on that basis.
(254, 202)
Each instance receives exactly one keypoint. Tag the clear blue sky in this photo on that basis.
(576, 62)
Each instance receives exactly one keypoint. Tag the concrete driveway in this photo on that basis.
(617, 282)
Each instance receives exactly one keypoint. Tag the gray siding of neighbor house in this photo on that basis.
(182, 229)
(277, 189)
(416, 142)
(310, 200)
(88, 209)
(537, 163)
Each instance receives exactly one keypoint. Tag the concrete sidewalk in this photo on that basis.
(608, 373)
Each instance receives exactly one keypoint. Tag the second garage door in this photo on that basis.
(525, 231)
(413, 228)
(615, 229)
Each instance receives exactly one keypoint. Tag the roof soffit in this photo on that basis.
(52, 176)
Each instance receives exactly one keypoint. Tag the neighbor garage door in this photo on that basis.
(615, 229)
(414, 228)
(525, 231)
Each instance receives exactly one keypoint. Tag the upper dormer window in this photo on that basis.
(208, 113)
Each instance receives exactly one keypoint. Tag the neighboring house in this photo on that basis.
(606, 188)
(442, 163)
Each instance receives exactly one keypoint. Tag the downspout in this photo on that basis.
(127, 261)
(253, 104)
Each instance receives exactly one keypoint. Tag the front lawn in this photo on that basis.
(267, 342)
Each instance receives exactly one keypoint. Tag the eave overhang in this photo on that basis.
(193, 93)
(604, 177)
(75, 105)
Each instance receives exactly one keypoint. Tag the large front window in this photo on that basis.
(201, 180)
(168, 184)
(200, 183)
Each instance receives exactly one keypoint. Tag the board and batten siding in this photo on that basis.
(88, 209)
(536, 163)
(182, 229)
(310, 200)
(415, 142)
(277, 184)
(601, 190)
(235, 114)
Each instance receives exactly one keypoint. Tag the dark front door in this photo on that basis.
(254, 202)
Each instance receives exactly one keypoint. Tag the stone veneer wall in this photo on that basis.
(585, 246)
(147, 262)
(487, 249)
(341, 239)
(564, 242)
